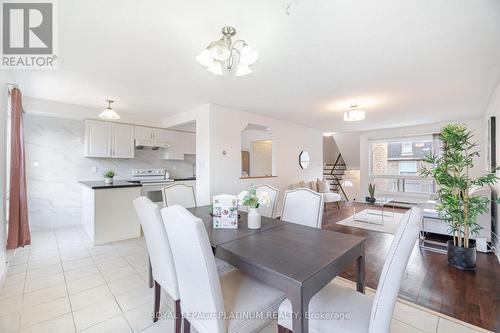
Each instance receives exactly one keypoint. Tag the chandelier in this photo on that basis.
(224, 55)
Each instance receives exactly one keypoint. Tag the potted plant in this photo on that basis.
(108, 176)
(253, 199)
(456, 206)
(371, 192)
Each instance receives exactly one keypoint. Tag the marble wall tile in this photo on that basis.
(55, 163)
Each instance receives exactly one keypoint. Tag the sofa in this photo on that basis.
(320, 186)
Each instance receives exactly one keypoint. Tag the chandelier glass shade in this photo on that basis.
(109, 113)
(224, 55)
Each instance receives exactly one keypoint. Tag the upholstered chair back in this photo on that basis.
(273, 193)
(303, 206)
(179, 194)
(160, 254)
(393, 270)
(199, 283)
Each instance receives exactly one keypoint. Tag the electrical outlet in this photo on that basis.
(94, 169)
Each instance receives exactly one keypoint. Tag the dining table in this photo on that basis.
(297, 259)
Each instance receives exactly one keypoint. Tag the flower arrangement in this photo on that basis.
(253, 199)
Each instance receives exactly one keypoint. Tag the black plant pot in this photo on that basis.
(462, 257)
(370, 199)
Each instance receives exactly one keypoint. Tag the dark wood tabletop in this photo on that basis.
(296, 259)
(221, 236)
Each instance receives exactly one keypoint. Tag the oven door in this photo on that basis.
(154, 193)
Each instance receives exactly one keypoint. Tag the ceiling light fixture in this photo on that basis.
(224, 55)
(354, 114)
(109, 113)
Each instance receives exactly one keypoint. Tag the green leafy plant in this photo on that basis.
(371, 190)
(451, 173)
(109, 173)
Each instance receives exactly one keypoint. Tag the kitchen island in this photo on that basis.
(108, 214)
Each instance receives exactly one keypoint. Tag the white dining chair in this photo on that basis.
(223, 301)
(366, 315)
(162, 267)
(273, 193)
(160, 255)
(179, 194)
(303, 206)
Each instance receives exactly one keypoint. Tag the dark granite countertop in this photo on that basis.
(99, 184)
(181, 179)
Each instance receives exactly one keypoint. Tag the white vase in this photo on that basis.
(254, 220)
(108, 180)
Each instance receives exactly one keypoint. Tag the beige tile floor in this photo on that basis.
(64, 284)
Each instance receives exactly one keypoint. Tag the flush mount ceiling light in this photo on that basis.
(109, 113)
(224, 55)
(354, 114)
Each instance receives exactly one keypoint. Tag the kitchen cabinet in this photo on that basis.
(151, 136)
(176, 149)
(122, 141)
(109, 140)
(189, 144)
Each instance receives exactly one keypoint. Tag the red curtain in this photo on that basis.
(19, 230)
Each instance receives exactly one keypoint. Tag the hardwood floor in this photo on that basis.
(473, 297)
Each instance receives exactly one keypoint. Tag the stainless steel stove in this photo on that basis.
(150, 176)
(152, 181)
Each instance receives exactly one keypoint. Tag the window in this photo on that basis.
(394, 163)
(407, 148)
(408, 167)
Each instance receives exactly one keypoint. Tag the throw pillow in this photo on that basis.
(323, 186)
(313, 186)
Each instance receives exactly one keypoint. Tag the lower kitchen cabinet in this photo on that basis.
(108, 214)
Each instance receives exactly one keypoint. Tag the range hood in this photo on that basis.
(149, 144)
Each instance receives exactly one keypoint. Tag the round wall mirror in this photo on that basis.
(304, 159)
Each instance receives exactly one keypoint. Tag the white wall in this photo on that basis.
(348, 144)
(475, 125)
(493, 109)
(290, 139)
(330, 149)
(6, 77)
(219, 129)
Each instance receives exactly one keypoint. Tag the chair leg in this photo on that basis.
(282, 329)
(178, 316)
(156, 314)
(187, 326)
(338, 205)
(150, 274)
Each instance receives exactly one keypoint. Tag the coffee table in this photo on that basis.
(379, 202)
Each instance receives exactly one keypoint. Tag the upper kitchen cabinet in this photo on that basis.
(123, 141)
(105, 139)
(150, 136)
(189, 143)
(176, 149)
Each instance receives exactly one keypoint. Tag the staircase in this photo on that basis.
(334, 172)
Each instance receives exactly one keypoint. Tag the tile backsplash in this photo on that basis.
(55, 163)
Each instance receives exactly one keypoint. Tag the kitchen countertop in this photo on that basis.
(99, 184)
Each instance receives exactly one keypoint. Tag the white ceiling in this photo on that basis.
(404, 62)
